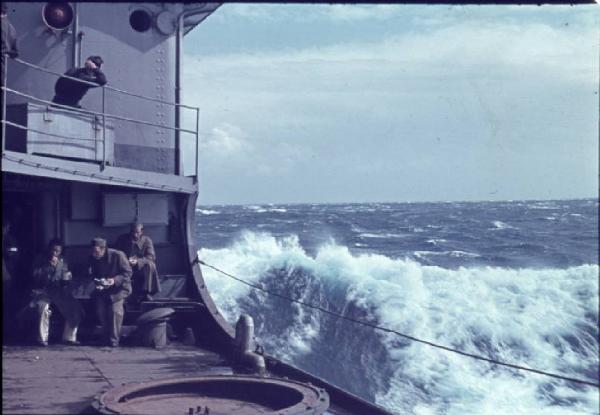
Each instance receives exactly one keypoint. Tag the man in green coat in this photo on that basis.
(51, 286)
(139, 249)
(112, 275)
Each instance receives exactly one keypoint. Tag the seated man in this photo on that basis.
(51, 279)
(142, 258)
(112, 275)
(69, 91)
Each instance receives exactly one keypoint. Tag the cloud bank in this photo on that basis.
(458, 111)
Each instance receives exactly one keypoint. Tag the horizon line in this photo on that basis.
(402, 202)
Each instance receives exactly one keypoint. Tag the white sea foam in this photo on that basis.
(207, 212)
(434, 227)
(534, 317)
(435, 241)
(543, 206)
(455, 254)
(501, 225)
(261, 209)
(368, 235)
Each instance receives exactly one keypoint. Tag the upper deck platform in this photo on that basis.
(87, 172)
(135, 144)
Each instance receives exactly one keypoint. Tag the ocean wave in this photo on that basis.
(207, 211)
(490, 311)
(435, 241)
(501, 225)
(368, 235)
(261, 209)
(544, 206)
(454, 254)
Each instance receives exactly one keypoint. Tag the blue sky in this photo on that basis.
(395, 103)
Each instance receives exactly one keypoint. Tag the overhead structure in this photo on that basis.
(195, 13)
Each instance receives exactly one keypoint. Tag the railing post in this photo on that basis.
(75, 37)
(103, 128)
(4, 78)
(197, 142)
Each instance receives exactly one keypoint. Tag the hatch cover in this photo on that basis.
(214, 395)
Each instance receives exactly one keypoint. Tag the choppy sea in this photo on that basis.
(515, 281)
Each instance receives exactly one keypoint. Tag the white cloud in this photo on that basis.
(354, 13)
(265, 88)
(406, 14)
(470, 46)
(225, 140)
(310, 12)
(455, 107)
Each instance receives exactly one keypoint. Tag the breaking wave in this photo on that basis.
(501, 225)
(207, 211)
(261, 209)
(542, 318)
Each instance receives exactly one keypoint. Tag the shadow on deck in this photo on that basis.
(64, 379)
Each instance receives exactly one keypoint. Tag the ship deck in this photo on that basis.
(64, 379)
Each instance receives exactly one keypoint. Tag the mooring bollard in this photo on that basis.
(245, 345)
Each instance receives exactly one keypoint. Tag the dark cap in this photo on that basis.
(101, 242)
(97, 60)
(55, 242)
(4, 8)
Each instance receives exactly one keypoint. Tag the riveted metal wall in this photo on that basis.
(40, 46)
(143, 63)
(140, 62)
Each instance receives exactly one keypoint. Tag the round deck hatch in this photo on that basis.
(214, 395)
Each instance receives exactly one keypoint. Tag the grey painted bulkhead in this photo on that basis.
(77, 212)
(70, 197)
(143, 63)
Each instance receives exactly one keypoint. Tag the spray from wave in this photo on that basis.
(544, 318)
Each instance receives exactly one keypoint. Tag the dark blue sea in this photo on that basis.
(515, 281)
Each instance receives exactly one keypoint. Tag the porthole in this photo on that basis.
(140, 20)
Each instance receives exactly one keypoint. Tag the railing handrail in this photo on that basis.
(84, 111)
(39, 68)
(103, 114)
(112, 88)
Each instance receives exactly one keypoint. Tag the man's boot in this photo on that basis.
(70, 335)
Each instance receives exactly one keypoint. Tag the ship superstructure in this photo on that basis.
(77, 173)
